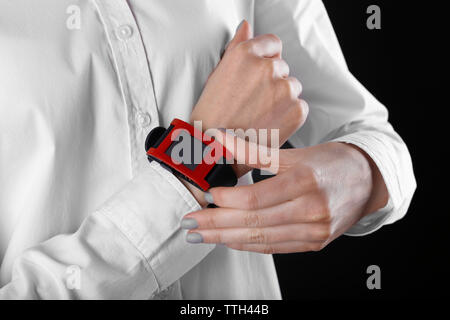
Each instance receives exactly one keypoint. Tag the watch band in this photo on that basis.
(212, 170)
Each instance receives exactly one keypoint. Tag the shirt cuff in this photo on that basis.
(375, 150)
(148, 212)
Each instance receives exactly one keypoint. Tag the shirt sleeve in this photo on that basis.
(341, 109)
(131, 247)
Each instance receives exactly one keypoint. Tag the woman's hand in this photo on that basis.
(318, 194)
(251, 88)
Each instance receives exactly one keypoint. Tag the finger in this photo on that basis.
(283, 247)
(295, 87)
(281, 68)
(305, 209)
(266, 46)
(269, 192)
(298, 110)
(249, 152)
(313, 232)
(243, 33)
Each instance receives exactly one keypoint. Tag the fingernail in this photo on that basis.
(189, 223)
(194, 238)
(239, 25)
(209, 197)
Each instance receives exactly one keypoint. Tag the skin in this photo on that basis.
(318, 193)
(250, 88)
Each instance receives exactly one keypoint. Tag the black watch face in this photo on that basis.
(187, 150)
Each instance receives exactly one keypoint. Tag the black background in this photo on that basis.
(403, 66)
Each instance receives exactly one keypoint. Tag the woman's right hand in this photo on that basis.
(251, 88)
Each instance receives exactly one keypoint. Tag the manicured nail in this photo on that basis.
(194, 238)
(239, 25)
(209, 197)
(189, 223)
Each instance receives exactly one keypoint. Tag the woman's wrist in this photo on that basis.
(379, 194)
(198, 194)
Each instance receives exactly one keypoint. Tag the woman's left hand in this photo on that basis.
(318, 193)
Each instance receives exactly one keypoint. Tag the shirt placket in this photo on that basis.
(134, 73)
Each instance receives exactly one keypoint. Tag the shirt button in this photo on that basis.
(124, 32)
(144, 119)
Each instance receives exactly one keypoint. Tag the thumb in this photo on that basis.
(250, 153)
(243, 33)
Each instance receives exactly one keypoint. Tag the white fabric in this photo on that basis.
(76, 190)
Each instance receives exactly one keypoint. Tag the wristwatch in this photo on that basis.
(191, 155)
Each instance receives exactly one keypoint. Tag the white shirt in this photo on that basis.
(82, 212)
